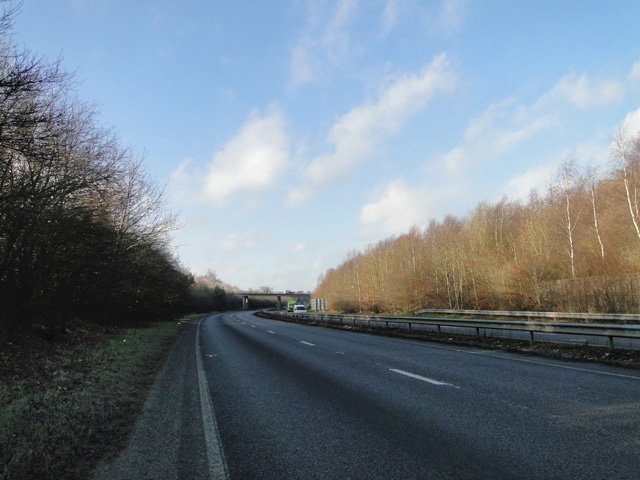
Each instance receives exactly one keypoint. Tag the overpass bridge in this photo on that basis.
(299, 297)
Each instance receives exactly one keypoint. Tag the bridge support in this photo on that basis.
(245, 302)
(278, 302)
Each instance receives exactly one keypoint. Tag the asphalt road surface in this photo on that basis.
(249, 398)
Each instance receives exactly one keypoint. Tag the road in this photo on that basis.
(289, 401)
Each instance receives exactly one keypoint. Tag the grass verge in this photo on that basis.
(66, 404)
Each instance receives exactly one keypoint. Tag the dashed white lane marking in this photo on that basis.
(307, 343)
(418, 377)
(253, 326)
(269, 331)
(511, 358)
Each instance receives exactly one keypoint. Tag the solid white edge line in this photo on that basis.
(215, 456)
(307, 343)
(418, 377)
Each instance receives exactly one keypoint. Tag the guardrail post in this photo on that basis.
(611, 343)
(531, 340)
(478, 333)
(409, 325)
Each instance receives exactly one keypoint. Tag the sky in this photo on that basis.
(289, 132)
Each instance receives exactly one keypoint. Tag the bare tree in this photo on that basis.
(625, 156)
(567, 186)
(82, 225)
(591, 180)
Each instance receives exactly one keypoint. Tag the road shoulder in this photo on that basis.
(168, 440)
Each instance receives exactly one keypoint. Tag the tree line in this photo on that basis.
(575, 248)
(84, 230)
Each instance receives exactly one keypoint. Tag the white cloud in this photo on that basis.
(489, 137)
(251, 161)
(635, 71)
(537, 178)
(486, 121)
(451, 15)
(335, 37)
(356, 135)
(506, 125)
(632, 122)
(326, 41)
(584, 93)
(184, 186)
(390, 15)
(399, 208)
(591, 152)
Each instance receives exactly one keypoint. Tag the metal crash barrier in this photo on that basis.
(532, 328)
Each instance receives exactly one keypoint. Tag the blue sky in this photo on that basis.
(290, 132)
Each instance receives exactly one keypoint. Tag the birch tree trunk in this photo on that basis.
(622, 150)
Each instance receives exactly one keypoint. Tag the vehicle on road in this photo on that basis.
(290, 305)
(299, 309)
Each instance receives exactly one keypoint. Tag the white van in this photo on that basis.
(299, 309)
